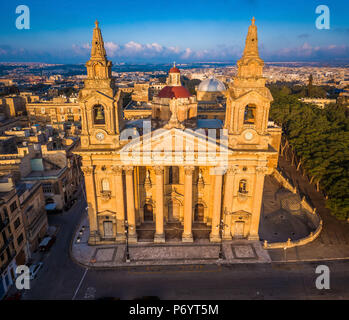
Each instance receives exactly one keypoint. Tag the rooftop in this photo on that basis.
(174, 92)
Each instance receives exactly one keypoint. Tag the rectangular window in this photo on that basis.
(13, 206)
(47, 187)
(17, 223)
(20, 239)
(5, 213)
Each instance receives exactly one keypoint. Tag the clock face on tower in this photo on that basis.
(248, 135)
(100, 136)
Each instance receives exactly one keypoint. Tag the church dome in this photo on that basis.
(174, 69)
(211, 85)
(174, 92)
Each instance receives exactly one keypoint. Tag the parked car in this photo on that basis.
(34, 269)
(47, 243)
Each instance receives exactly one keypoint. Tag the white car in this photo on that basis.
(34, 269)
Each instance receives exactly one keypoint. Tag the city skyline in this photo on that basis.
(141, 32)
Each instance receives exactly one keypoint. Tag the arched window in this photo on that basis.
(98, 114)
(243, 186)
(173, 175)
(105, 185)
(250, 114)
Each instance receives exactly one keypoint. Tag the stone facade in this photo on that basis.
(175, 169)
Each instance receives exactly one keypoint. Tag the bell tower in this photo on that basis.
(248, 100)
(101, 115)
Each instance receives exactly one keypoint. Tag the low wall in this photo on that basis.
(290, 244)
(287, 185)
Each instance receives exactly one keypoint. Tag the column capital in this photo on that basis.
(232, 170)
(128, 170)
(159, 170)
(261, 170)
(87, 170)
(117, 170)
(188, 170)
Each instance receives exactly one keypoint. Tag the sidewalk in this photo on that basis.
(170, 253)
(333, 241)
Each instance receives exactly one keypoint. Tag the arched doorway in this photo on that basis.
(148, 212)
(199, 213)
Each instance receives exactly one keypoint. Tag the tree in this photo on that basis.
(320, 140)
(310, 86)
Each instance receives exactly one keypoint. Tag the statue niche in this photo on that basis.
(98, 114)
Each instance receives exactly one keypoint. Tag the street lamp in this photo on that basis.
(127, 250)
(221, 227)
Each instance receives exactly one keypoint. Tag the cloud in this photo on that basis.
(309, 52)
(82, 49)
(135, 52)
(303, 35)
(111, 48)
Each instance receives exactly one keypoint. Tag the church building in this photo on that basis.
(173, 168)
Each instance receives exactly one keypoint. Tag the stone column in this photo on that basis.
(217, 203)
(159, 213)
(130, 199)
(91, 204)
(187, 235)
(257, 202)
(228, 201)
(119, 203)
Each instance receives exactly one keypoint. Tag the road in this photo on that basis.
(61, 278)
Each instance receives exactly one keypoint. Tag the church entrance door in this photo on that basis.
(173, 211)
(199, 213)
(108, 229)
(148, 213)
(239, 229)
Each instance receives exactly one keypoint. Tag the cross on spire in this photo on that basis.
(253, 20)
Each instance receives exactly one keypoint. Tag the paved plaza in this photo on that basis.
(171, 253)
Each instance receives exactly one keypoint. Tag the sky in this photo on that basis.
(160, 31)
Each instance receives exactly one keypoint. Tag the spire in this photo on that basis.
(98, 67)
(97, 51)
(251, 43)
(251, 65)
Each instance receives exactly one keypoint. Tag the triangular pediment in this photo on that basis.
(254, 95)
(176, 146)
(95, 97)
(106, 213)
